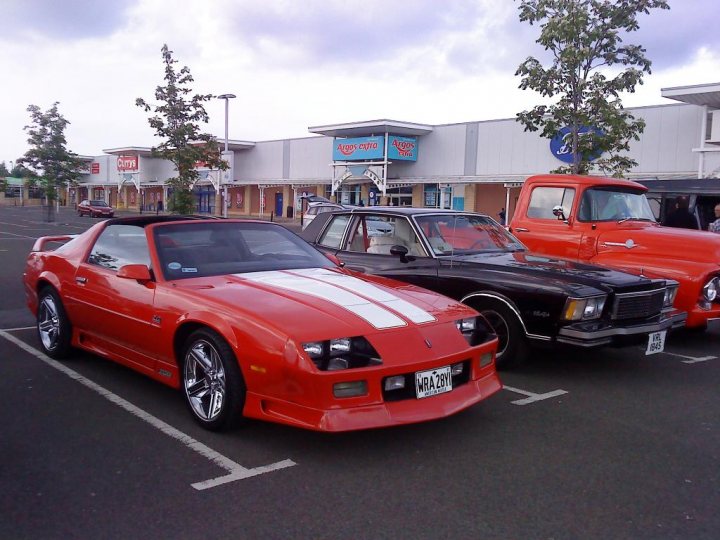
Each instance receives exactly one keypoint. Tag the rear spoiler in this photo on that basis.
(40, 242)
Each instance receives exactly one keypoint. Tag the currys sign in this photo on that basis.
(358, 148)
(403, 148)
(127, 163)
(561, 144)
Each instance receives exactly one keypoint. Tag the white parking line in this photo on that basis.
(17, 329)
(235, 471)
(532, 397)
(690, 359)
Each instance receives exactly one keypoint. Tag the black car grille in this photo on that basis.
(637, 305)
(409, 391)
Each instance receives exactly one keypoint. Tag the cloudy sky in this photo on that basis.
(295, 64)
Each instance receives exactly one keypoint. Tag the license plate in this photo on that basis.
(433, 382)
(656, 342)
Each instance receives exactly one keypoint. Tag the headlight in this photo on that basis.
(583, 309)
(710, 290)
(670, 294)
(342, 353)
(475, 330)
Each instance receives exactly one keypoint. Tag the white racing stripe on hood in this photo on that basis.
(373, 313)
(405, 308)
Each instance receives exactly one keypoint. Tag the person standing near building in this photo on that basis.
(715, 225)
(501, 214)
(681, 217)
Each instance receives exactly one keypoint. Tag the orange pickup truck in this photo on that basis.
(608, 221)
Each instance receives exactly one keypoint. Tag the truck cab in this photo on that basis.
(609, 221)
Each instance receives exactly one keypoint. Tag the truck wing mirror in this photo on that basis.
(559, 213)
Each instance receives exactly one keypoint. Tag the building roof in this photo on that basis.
(145, 151)
(698, 94)
(372, 127)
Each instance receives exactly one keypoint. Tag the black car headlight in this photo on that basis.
(475, 330)
(710, 290)
(584, 309)
(671, 290)
(342, 353)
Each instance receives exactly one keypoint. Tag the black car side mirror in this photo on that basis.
(402, 252)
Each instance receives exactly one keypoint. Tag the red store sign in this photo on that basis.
(95, 168)
(127, 163)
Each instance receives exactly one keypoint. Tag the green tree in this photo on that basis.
(176, 121)
(48, 158)
(591, 67)
(3, 170)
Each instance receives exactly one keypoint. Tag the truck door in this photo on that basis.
(541, 230)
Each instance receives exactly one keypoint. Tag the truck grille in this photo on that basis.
(637, 305)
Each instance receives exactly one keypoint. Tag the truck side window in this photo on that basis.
(543, 199)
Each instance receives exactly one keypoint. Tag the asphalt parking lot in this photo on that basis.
(608, 443)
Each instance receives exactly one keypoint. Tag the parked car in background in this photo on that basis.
(315, 208)
(95, 208)
(248, 320)
(609, 221)
(528, 298)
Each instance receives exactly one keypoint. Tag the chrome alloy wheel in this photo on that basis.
(204, 380)
(48, 323)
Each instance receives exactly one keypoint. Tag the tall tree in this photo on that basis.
(3, 170)
(591, 67)
(176, 122)
(48, 158)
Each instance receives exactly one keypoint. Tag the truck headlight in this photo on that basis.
(710, 290)
(583, 309)
(342, 353)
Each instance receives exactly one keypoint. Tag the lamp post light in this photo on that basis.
(227, 98)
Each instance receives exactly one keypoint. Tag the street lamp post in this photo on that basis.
(227, 98)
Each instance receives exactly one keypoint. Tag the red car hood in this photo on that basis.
(327, 302)
(662, 242)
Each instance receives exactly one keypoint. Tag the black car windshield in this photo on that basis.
(201, 249)
(454, 234)
(98, 203)
(614, 204)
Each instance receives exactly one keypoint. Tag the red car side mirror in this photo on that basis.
(139, 272)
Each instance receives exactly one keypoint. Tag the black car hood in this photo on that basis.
(537, 266)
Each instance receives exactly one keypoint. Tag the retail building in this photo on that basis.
(476, 166)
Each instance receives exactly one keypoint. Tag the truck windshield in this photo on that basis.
(614, 204)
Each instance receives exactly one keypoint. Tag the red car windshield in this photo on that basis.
(188, 250)
(99, 203)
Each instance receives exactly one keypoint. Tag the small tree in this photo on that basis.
(584, 37)
(3, 170)
(176, 121)
(48, 158)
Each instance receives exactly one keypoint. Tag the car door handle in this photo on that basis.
(522, 229)
(81, 280)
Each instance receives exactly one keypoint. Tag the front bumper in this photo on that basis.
(377, 415)
(599, 333)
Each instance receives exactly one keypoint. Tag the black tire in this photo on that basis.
(53, 326)
(513, 347)
(210, 372)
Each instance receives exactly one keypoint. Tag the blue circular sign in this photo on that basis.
(561, 144)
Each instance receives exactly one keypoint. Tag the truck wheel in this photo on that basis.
(513, 348)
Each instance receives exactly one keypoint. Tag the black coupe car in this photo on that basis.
(530, 299)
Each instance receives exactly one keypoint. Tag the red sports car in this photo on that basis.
(248, 320)
(95, 209)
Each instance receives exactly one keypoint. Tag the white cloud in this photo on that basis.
(330, 62)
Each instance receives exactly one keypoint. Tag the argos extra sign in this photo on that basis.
(366, 148)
